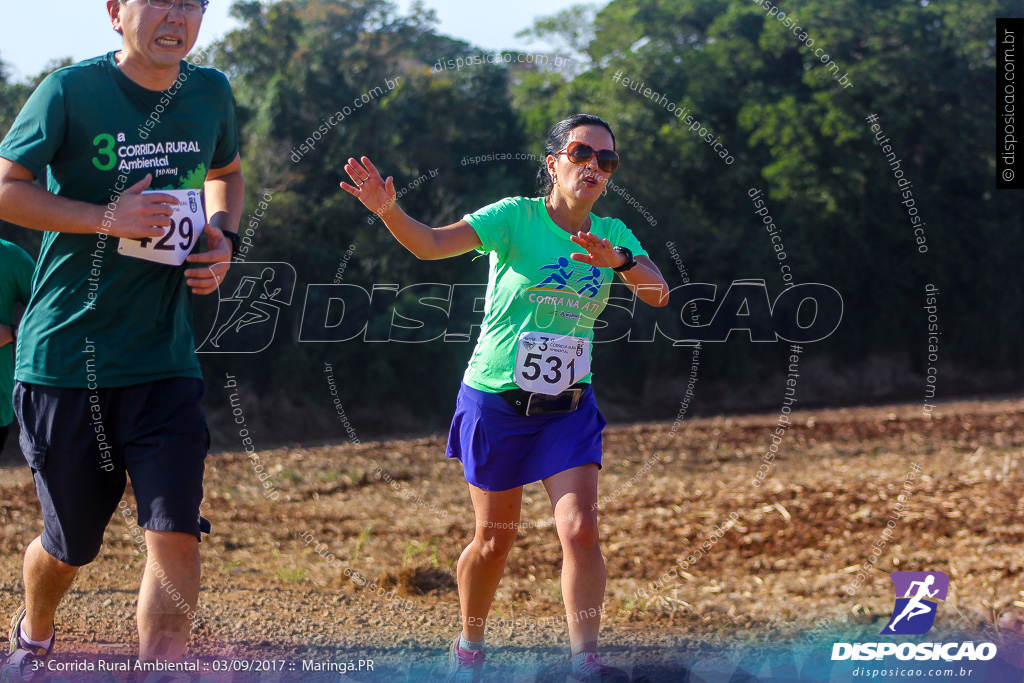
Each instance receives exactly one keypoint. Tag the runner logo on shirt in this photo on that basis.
(570, 276)
(567, 289)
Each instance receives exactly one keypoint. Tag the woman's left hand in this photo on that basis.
(600, 252)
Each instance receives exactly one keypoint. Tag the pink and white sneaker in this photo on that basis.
(465, 665)
(594, 670)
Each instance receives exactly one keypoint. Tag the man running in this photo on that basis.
(16, 268)
(108, 384)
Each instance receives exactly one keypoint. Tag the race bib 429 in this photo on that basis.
(187, 224)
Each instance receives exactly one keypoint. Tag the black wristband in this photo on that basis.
(236, 242)
(630, 261)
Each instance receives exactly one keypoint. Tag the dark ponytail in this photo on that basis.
(558, 138)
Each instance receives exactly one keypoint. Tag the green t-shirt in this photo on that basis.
(533, 284)
(96, 133)
(16, 268)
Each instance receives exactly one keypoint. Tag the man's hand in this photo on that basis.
(6, 335)
(206, 279)
(142, 215)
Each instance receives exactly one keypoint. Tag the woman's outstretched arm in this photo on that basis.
(427, 243)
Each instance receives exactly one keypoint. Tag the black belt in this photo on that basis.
(532, 403)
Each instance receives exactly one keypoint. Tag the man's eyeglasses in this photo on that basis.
(581, 153)
(187, 6)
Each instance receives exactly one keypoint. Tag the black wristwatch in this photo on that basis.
(236, 241)
(630, 261)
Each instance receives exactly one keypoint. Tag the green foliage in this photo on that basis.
(572, 29)
(927, 69)
(12, 97)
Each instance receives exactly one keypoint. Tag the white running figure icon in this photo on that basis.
(914, 607)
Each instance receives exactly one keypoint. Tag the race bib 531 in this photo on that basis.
(549, 364)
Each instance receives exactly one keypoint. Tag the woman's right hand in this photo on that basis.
(376, 194)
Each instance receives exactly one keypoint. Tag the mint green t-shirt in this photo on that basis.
(16, 268)
(95, 133)
(534, 285)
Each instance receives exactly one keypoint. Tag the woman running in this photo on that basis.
(525, 411)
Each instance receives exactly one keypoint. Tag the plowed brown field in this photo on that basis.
(783, 565)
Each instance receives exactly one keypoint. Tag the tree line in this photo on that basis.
(737, 133)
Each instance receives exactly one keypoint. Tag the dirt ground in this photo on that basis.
(356, 553)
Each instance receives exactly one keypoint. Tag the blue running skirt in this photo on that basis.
(501, 449)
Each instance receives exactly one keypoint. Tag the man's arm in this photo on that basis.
(224, 190)
(6, 335)
(26, 204)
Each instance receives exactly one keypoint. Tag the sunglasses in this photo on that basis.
(580, 153)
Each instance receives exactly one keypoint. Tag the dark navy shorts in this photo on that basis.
(81, 444)
(501, 449)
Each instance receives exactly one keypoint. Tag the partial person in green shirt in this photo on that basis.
(16, 268)
(526, 411)
(139, 151)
